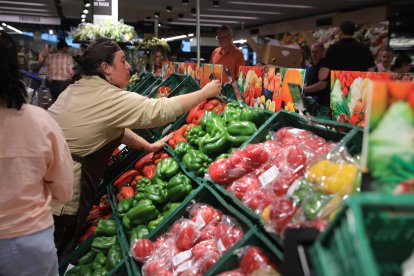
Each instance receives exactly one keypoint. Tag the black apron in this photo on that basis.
(92, 170)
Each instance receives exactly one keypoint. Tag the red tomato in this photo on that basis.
(243, 186)
(219, 171)
(228, 235)
(205, 247)
(208, 213)
(208, 232)
(281, 213)
(143, 249)
(186, 237)
(296, 158)
(256, 154)
(152, 269)
(272, 147)
(260, 199)
(208, 262)
(252, 260)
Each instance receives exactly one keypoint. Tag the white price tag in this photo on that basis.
(166, 129)
(183, 267)
(220, 246)
(200, 223)
(269, 176)
(296, 131)
(181, 257)
(295, 185)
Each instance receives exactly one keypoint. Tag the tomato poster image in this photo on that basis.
(291, 78)
(388, 147)
(186, 68)
(349, 94)
(168, 68)
(250, 84)
(205, 72)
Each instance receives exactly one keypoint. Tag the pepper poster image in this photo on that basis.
(268, 87)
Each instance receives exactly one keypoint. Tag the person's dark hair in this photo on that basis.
(400, 61)
(89, 63)
(61, 44)
(347, 27)
(13, 92)
(158, 49)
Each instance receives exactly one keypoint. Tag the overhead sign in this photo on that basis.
(102, 7)
(31, 19)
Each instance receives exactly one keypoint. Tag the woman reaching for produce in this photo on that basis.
(96, 115)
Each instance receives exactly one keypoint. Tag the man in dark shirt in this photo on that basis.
(347, 54)
(315, 87)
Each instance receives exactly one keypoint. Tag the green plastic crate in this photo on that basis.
(203, 194)
(144, 84)
(172, 81)
(373, 234)
(231, 261)
(151, 87)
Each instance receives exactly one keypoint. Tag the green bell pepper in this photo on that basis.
(100, 272)
(156, 193)
(105, 227)
(154, 223)
(87, 258)
(74, 271)
(99, 261)
(167, 168)
(181, 148)
(197, 161)
(171, 206)
(114, 256)
(126, 222)
(138, 232)
(207, 117)
(179, 187)
(254, 115)
(232, 112)
(222, 156)
(193, 135)
(102, 244)
(314, 203)
(143, 182)
(85, 270)
(143, 212)
(124, 205)
(239, 132)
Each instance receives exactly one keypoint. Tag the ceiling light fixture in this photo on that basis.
(230, 16)
(185, 2)
(83, 15)
(168, 9)
(85, 11)
(244, 11)
(192, 24)
(175, 37)
(23, 3)
(159, 24)
(24, 9)
(270, 5)
(83, 20)
(216, 3)
(157, 14)
(190, 35)
(240, 41)
(87, 4)
(12, 28)
(211, 20)
(50, 31)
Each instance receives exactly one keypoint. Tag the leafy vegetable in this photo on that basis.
(338, 101)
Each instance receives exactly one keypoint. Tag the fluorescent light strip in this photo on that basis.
(175, 37)
(25, 9)
(270, 5)
(229, 16)
(209, 20)
(243, 11)
(14, 29)
(192, 24)
(241, 41)
(25, 13)
(23, 3)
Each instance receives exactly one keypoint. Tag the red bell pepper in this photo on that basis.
(144, 161)
(149, 171)
(198, 116)
(94, 214)
(125, 178)
(220, 108)
(87, 234)
(135, 180)
(104, 204)
(194, 110)
(211, 105)
(125, 192)
(163, 156)
(178, 136)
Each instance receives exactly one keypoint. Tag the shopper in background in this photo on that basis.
(385, 61)
(402, 64)
(35, 167)
(227, 54)
(158, 55)
(347, 54)
(96, 115)
(42, 59)
(315, 87)
(59, 70)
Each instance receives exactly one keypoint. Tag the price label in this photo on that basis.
(183, 267)
(181, 257)
(200, 223)
(220, 246)
(269, 176)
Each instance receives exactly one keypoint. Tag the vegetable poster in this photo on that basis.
(271, 88)
(388, 145)
(204, 73)
(184, 68)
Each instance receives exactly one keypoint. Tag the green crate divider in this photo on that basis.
(204, 194)
(373, 234)
(144, 84)
(171, 81)
(228, 91)
(231, 261)
(151, 87)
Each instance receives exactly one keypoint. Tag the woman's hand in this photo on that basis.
(212, 88)
(156, 146)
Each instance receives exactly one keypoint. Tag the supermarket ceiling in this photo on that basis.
(140, 13)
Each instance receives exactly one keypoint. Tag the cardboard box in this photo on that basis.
(282, 56)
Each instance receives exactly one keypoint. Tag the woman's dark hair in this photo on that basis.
(13, 92)
(400, 61)
(89, 63)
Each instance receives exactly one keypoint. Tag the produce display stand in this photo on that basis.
(372, 235)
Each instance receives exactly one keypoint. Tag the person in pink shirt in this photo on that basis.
(35, 168)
